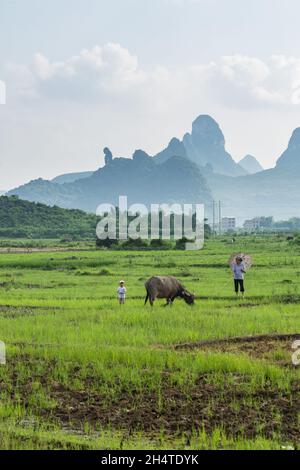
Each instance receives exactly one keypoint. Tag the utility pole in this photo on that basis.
(220, 217)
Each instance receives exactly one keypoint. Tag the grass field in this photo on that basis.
(84, 373)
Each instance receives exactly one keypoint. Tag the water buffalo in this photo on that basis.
(166, 287)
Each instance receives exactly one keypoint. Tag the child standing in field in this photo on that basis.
(121, 293)
(238, 269)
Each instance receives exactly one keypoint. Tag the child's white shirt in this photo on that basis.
(121, 292)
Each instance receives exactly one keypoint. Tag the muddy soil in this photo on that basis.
(276, 348)
(231, 404)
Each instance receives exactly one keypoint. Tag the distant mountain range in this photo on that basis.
(250, 164)
(273, 192)
(71, 177)
(140, 178)
(290, 159)
(206, 146)
(195, 169)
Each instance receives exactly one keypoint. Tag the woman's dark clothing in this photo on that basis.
(239, 284)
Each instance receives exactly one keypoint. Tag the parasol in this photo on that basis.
(247, 259)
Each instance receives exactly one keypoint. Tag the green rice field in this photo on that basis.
(83, 372)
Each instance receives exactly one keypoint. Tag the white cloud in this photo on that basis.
(244, 80)
(111, 60)
(296, 92)
(268, 97)
(243, 70)
(111, 71)
(108, 68)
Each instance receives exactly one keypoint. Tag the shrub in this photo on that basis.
(135, 244)
(160, 244)
(180, 244)
(107, 243)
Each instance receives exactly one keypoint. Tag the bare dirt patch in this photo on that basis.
(229, 404)
(206, 406)
(11, 311)
(275, 348)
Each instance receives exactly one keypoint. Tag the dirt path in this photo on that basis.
(240, 339)
(20, 251)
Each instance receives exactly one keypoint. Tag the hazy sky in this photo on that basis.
(84, 74)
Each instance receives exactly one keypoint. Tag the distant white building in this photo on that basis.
(228, 224)
(253, 224)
